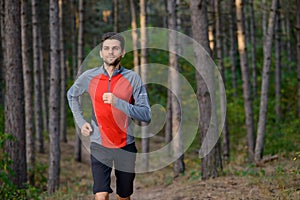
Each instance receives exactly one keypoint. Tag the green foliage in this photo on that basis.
(7, 189)
(250, 170)
(1, 119)
(283, 138)
(168, 180)
(195, 175)
(39, 172)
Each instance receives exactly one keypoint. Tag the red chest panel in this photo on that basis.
(113, 123)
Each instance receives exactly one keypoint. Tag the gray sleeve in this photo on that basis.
(73, 94)
(141, 110)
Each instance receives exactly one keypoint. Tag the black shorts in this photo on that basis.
(123, 160)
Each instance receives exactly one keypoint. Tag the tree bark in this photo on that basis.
(246, 21)
(233, 45)
(261, 130)
(37, 79)
(211, 163)
(168, 126)
(2, 54)
(178, 166)
(134, 36)
(298, 53)
(116, 14)
(220, 57)
(145, 139)
(288, 40)
(80, 43)
(14, 95)
(44, 83)
(54, 157)
(264, 17)
(246, 80)
(73, 38)
(27, 77)
(253, 49)
(62, 126)
(278, 63)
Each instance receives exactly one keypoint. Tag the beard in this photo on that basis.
(115, 62)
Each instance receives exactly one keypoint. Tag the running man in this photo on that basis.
(118, 96)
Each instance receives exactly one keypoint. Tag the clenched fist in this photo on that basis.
(86, 129)
(109, 98)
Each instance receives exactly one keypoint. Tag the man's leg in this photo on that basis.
(101, 169)
(125, 171)
(102, 196)
(120, 198)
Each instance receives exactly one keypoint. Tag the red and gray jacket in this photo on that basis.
(112, 126)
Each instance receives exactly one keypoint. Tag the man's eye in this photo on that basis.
(116, 48)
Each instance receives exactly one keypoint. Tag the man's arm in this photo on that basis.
(73, 94)
(141, 110)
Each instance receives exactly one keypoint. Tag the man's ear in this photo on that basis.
(123, 54)
(100, 53)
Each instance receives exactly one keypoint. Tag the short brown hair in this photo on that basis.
(113, 36)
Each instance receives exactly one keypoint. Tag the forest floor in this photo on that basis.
(278, 179)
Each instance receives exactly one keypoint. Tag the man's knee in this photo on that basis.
(101, 196)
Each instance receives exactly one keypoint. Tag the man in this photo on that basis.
(117, 96)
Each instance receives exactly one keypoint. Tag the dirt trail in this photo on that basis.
(272, 185)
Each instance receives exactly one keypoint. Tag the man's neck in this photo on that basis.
(111, 68)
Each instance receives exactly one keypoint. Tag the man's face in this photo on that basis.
(111, 52)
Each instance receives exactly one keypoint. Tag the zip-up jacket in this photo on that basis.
(111, 124)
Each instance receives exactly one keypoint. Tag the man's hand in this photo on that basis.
(109, 98)
(86, 129)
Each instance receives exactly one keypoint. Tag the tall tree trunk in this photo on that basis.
(220, 54)
(246, 21)
(261, 130)
(233, 45)
(73, 37)
(298, 53)
(62, 126)
(224, 6)
(288, 40)
(44, 83)
(253, 49)
(178, 166)
(278, 64)
(246, 80)
(145, 139)
(27, 76)
(283, 31)
(165, 17)
(168, 126)
(116, 14)
(264, 17)
(14, 93)
(37, 79)
(54, 157)
(211, 163)
(2, 54)
(80, 47)
(178, 18)
(134, 36)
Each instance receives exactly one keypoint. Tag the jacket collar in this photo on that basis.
(116, 71)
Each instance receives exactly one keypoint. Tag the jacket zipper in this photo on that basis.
(109, 81)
